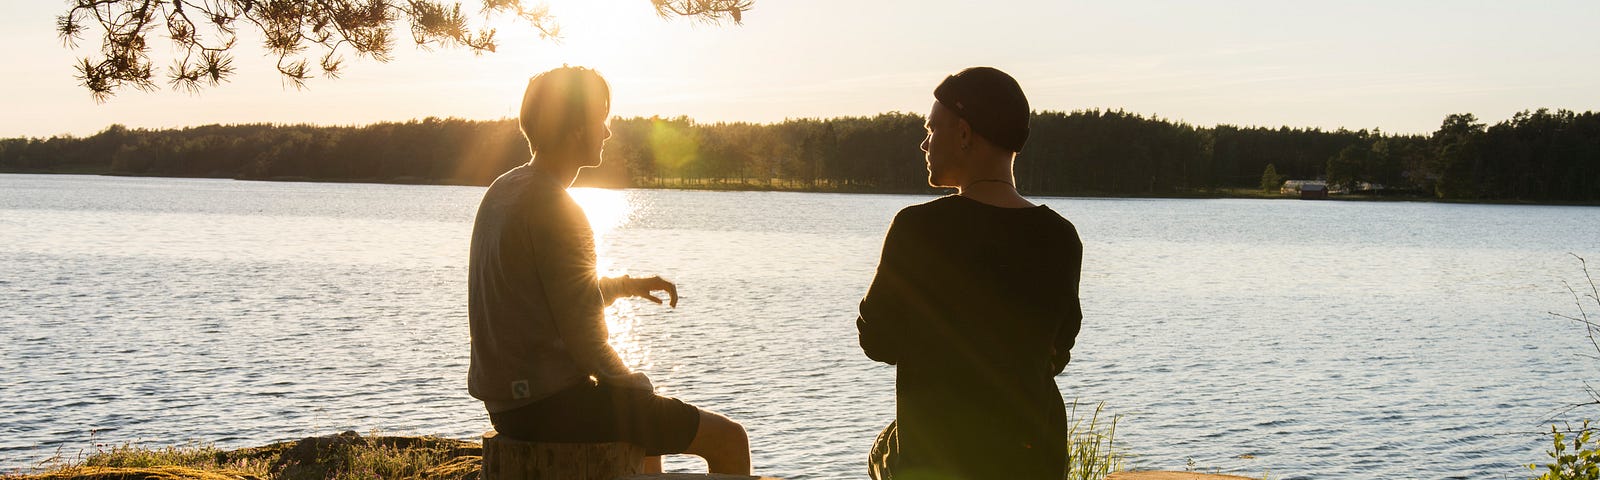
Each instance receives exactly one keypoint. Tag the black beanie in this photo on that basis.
(991, 102)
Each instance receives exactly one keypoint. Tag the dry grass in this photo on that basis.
(1091, 445)
(347, 456)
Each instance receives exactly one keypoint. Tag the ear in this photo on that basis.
(966, 132)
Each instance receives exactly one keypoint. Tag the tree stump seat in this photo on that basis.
(692, 476)
(506, 458)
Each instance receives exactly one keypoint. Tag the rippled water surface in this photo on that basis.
(1300, 339)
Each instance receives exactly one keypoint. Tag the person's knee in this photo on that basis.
(718, 434)
(728, 432)
(723, 443)
(737, 438)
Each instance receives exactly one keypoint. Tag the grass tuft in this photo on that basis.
(1092, 451)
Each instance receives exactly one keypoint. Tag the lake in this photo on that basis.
(1299, 339)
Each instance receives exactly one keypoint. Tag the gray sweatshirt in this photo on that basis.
(534, 301)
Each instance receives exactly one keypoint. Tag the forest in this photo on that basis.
(1535, 156)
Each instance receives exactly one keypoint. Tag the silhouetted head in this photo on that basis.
(564, 114)
(979, 117)
(991, 102)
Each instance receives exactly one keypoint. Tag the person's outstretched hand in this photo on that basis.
(643, 287)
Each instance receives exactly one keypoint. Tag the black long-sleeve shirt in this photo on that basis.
(977, 307)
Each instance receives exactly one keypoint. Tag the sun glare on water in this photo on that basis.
(607, 209)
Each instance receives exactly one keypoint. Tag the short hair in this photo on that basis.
(561, 101)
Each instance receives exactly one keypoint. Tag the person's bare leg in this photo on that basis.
(651, 464)
(723, 444)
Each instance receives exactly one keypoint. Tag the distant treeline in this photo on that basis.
(1534, 156)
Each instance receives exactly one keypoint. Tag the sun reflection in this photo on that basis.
(622, 318)
(607, 209)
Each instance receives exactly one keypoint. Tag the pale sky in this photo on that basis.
(1398, 65)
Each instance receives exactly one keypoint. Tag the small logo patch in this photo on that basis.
(519, 390)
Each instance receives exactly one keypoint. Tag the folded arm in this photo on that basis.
(1072, 323)
(883, 310)
(1066, 337)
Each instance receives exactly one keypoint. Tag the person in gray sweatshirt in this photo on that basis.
(540, 361)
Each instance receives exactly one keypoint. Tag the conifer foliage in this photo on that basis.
(308, 37)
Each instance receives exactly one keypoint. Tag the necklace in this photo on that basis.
(995, 180)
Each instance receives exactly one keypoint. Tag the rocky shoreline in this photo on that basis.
(345, 455)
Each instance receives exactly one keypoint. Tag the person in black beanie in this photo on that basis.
(975, 303)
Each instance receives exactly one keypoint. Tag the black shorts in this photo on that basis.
(589, 413)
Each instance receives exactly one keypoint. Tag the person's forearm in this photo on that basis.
(612, 288)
